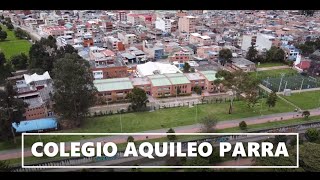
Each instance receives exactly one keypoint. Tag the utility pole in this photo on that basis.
(301, 85)
(282, 75)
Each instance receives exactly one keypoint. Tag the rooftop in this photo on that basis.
(35, 125)
(159, 80)
(210, 75)
(112, 84)
(177, 78)
(194, 76)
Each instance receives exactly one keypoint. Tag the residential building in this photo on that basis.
(243, 64)
(187, 24)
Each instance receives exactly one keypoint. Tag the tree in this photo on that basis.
(74, 89)
(4, 166)
(3, 35)
(42, 55)
(309, 154)
(306, 114)
(272, 99)
(130, 139)
(178, 90)
(280, 138)
(243, 125)
(197, 161)
(20, 61)
(65, 49)
(312, 134)
(1, 17)
(138, 99)
(5, 68)
(11, 111)
(171, 137)
(252, 54)
(197, 89)
(21, 34)
(238, 82)
(209, 123)
(275, 54)
(186, 67)
(9, 26)
(215, 156)
(251, 91)
(225, 55)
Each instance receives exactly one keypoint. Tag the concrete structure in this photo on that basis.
(113, 90)
(243, 64)
(154, 68)
(247, 41)
(187, 24)
(196, 38)
(164, 24)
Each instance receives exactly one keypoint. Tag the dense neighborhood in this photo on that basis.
(84, 70)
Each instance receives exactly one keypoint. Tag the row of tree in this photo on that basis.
(309, 47)
(21, 34)
(274, 54)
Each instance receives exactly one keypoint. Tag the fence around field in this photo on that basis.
(296, 82)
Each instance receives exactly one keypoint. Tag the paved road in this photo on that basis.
(273, 68)
(16, 153)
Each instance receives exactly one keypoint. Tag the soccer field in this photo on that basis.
(295, 82)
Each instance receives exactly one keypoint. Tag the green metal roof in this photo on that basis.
(178, 79)
(159, 80)
(210, 75)
(113, 84)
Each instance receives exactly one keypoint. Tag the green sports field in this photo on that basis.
(12, 45)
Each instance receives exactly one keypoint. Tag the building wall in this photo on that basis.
(114, 96)
(186, 24)
(113, 72)
(200, 83)
(263, 42)
(36, 113)
(185, 89)
(159, 91)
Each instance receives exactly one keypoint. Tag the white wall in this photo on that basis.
(263, 42)
(246, 42)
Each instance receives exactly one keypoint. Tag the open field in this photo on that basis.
(305, 100)
(270, 64)
(273, 73)
(250, 128)
(12, 45)
(165, 118)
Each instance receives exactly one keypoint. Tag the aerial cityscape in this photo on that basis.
(159, 71)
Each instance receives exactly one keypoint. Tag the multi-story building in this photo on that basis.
(247, 41)
(35, 90)
(54, 31)
(121, 16)
(164, 24)
(196, 38)
(196, 79)
(113, 90)
(187, 24)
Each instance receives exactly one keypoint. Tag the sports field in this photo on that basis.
(294, 82)
(12, 45)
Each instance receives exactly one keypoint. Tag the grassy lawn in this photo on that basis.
(305, 100)
(250, 128)
(271, 64)
(165, 118)
(13, 46)
(273, 73)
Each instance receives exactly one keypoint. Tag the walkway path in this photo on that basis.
(273, 68)
(16, 153)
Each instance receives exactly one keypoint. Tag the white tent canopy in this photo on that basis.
(35, 77)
